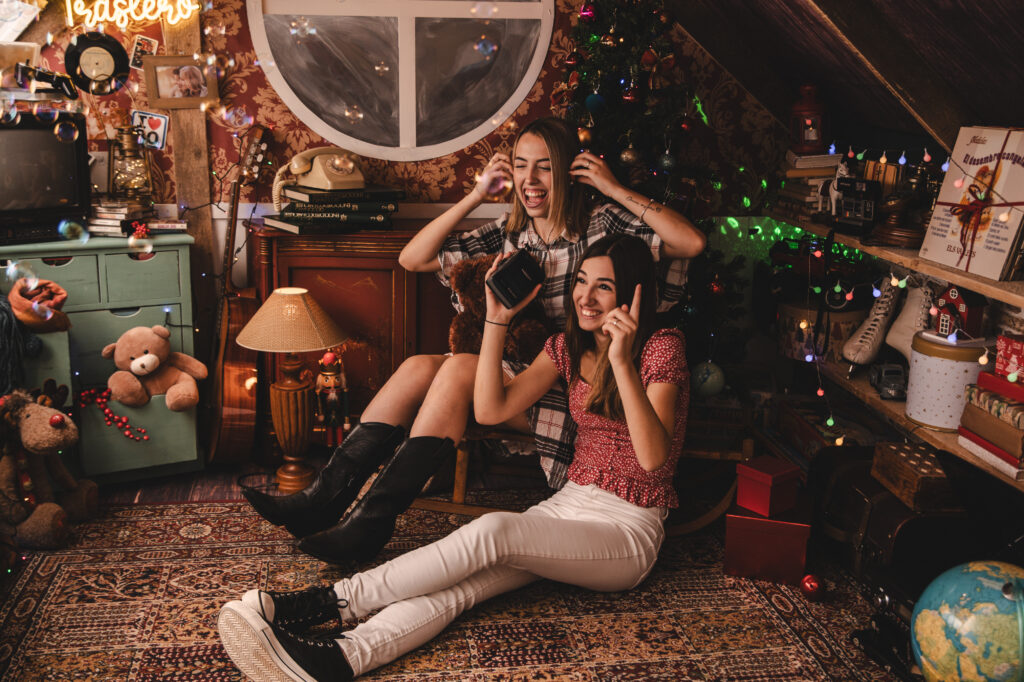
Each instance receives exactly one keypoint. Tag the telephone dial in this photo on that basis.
(321, 168)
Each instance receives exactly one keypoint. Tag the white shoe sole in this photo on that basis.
(250, 642)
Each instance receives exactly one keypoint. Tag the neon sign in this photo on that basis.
(123, 12)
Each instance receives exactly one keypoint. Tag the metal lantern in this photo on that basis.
(129, 176)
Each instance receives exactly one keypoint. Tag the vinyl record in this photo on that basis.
(97, 63)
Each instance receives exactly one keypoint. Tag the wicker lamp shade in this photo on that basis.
(290, 321)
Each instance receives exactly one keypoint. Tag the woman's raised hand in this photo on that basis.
(621, 324)
(495, 177)
(590, 169)
(496, 311)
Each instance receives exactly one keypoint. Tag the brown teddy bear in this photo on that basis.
(526, 336)
(38, 495)
(146, 366)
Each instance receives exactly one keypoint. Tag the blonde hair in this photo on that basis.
(567, 200)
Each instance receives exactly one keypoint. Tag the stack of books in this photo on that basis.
(992, 424)
(115, 218)
(324, 211)
(799, 197)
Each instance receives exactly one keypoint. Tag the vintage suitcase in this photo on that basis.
(912, 473)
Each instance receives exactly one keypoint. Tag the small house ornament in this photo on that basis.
(959, 310)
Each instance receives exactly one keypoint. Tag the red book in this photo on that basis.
(994, 382)
(992, 454)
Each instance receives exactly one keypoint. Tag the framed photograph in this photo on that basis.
(178, 82)
(140, 48)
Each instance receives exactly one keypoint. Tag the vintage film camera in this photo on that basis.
(515, 278)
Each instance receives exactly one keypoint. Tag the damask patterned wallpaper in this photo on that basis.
(740, 134)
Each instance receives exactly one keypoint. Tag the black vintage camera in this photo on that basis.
(515, 278)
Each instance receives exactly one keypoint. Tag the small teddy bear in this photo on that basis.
(526, 335)
(38, 495)
(146, 366)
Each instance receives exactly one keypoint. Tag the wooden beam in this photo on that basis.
(867, 35)
(51, 20)
(192, 178)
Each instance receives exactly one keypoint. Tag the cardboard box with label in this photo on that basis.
(976, 224)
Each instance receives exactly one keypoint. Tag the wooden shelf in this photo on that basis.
(895, 412)
(1007, 292)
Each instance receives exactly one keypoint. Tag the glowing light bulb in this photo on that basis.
(804, 324)
(849, 295)
(903, 283)
(945, 166)
(809, 357)
(1012, 377)
(952, 337)
(903, 159)
(821, 392)
(927, 157)
(830, 421)
(894, 281)
(883, 158)
(860, 157)
(817, 253)
(958, 183)
(983, 360)
(933, 311)
(839, 441)
(850, 153)
(837, 288)
(875, 291)
(832, 148)
(1004, 217)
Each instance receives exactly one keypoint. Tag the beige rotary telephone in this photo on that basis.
(320, 168)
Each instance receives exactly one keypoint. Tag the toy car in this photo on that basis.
(890, 380)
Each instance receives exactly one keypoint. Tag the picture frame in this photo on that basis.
(178, 82)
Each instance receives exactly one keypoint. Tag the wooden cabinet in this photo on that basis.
(1011, 293)
(112, 288)
(388, 312)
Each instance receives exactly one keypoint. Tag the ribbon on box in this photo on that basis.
(970, 214)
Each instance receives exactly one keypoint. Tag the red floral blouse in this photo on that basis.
(604, 451)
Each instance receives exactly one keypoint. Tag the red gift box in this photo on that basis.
(767, 549)
(1009, 354)
(767, 485)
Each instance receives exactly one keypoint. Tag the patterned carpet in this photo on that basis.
(136, 598)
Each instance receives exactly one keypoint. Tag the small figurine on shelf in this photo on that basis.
(332, 398)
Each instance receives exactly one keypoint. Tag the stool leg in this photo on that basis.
(461, 474)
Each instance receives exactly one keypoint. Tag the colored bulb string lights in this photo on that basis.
(101, 398)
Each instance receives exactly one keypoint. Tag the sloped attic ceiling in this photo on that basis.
(882, 67)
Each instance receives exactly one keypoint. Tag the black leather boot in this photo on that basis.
(371, 523)
(321, 504)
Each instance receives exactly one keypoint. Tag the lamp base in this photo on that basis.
(291, 409)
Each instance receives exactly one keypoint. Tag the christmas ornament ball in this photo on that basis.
(629, 156)
(594, 102)
(630, 94)
(812, 587)
(716, 287)
(707, 379)
(585, 135)
(588, 12)
(667, 162)
(573, 58)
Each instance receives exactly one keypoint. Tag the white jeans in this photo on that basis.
(581, 535)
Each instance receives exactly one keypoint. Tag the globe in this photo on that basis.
(968, 623)
(707, 379)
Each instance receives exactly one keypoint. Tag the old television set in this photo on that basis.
(44, 175)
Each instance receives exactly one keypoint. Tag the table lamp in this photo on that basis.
(290, 321)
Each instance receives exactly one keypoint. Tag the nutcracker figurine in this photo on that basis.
(332, 399)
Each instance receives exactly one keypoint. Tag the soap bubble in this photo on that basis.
(237, 117)
(65, 131)
(44, 113)
(140, 245)
(382, 68)
(72, 231)
(10, 116)
(485, 47)
(41, 310)
(16, 270)
(352, 114)
(483, 10)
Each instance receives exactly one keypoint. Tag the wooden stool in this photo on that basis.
(474, 434)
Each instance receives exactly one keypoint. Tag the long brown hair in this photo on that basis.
(568, 200)
(632, 264)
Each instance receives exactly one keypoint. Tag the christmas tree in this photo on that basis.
(628, 98)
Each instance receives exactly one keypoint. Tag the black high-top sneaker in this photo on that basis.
(296, 611)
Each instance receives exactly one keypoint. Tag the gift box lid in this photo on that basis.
(795, 521)
(767, 469)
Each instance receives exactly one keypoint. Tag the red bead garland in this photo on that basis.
(93, 396)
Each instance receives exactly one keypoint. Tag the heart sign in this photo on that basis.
(153, 126)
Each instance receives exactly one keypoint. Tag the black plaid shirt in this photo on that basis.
(554, 429)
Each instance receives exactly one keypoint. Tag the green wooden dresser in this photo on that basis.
(111, 289)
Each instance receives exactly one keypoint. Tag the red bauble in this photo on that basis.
(716, 287)
(588, 13)
(585, 134)
(812, 587)
(649, 58)
(630, 94)
(573, 58)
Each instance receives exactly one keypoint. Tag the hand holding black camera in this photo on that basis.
(512, 282)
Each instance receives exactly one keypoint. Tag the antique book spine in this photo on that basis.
(993, 429)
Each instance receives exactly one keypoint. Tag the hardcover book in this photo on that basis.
(1000, 385)
(975, 227)
(991, 454)
(812, 160)
(302, 208)
(1008, 409)
(993, 429)
(326, 226)
(313, 195)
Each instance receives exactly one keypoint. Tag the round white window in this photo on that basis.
(401, 80)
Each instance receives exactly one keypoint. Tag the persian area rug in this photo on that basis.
(136, 598)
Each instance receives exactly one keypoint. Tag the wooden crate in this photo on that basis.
(913, 474)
